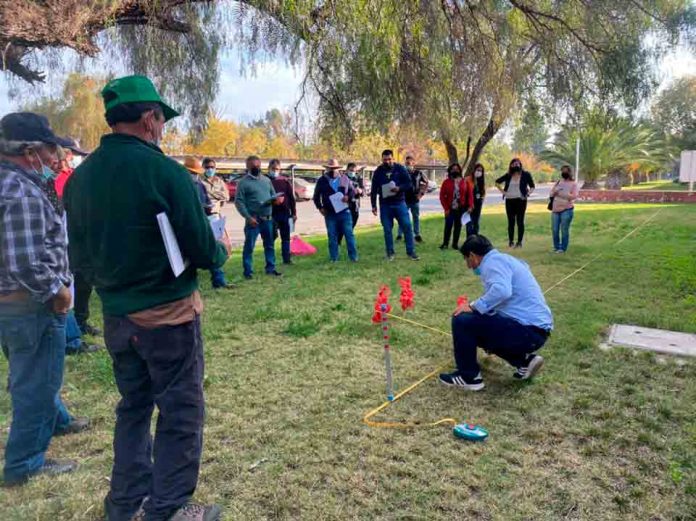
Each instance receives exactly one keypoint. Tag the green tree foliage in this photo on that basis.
(530, 130)
(78, 111)
(674, 111)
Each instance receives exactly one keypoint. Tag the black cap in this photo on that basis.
(28, 127)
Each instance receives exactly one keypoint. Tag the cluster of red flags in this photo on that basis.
(462, 299)
(405, 298)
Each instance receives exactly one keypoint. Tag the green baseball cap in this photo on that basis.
(134, 89)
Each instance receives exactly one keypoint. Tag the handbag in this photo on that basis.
(549, 206)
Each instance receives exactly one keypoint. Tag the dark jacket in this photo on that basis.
(323, 190)
(358, 185)
(419, 185)
(526, 182)
(384, 175)
(112, 201)
(288, 208)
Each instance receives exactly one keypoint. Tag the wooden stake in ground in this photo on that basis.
(387, 353)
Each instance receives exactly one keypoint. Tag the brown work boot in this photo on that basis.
(193, 512)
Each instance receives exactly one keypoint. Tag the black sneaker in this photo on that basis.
(75, 426)
(419, 238)
(399, 238)
(89, 330)
(518, 245)
(274, 273)
(84, 348)
(51, 467)
(534, 364)
(455, 246)
(457, 380)
(443, 246)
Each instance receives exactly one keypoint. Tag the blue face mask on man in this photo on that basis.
(46, 173)
(209, 172)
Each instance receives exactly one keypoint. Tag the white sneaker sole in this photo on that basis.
(466, 387)
(534, 367)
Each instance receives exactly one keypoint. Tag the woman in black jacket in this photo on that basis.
(477, 181)
(517, 185)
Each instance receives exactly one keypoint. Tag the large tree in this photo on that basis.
(674, 111)
(456, 68)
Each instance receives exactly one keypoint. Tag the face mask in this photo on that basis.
(477, 271)
(565, 175)
(209, 172)
(516, 169)
(45, 172)
(478, 173)
(255, 171)
(350, 174)
(272, 174)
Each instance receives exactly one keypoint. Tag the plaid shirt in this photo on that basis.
(33, 242)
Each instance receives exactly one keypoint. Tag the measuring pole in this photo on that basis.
(387, 353)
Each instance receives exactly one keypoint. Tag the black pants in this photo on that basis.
(163, 367)
(355, 214)
(83, 290)
(281, 225)
(453, 220)
(515, 209)
(472, 227)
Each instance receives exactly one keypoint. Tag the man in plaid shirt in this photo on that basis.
(34, 295)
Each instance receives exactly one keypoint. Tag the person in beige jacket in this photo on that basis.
(214, 186)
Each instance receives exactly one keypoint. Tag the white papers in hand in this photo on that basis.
(387, 189)
(217, 224)
(466, 218)
(176, 261)
(337, 202)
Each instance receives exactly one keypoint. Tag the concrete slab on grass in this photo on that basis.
(648, 339)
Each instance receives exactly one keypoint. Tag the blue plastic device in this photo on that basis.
(466, 431)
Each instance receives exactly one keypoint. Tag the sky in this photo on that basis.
(276, 84)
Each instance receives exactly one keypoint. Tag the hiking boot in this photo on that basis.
(532, 367)
(399, 238)
(274, 273)
(75, 426)
(84, 348)
(89, 330)
(193, 512)
(457, 380)
(419, 238)
(51, 467)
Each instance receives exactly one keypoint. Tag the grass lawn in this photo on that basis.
(663, 186)
(293, 365)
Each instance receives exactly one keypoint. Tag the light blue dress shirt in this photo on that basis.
(511, 290)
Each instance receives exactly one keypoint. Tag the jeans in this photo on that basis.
(251, 233)
(560, 225)
(83, 290)
(217, 278)
(354, 215)
(33, 340)
(281, 225)
(453, 219)
(515, 209)
(387, 214)
(497, 334)
(73, 335)
(415, 215)
(162, 366)
(472, 227)
(340, 223)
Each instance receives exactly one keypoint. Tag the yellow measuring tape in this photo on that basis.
(451, 421)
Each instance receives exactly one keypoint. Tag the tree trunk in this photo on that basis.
(452, 155)
(489, 133)
(614, 180)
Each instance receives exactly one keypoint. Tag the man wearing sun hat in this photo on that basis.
(34, 294)
(152, 323)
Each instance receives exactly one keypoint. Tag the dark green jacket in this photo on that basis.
(112, 200)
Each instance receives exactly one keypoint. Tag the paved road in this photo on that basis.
(310, 221)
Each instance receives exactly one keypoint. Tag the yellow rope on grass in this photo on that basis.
(409, 425)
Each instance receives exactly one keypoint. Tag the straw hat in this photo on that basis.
(332, 164)
(193, 164)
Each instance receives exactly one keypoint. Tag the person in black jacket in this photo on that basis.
(419, 185)
(517, 185)
(477, 180)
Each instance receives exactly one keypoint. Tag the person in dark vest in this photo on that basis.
(285, 214)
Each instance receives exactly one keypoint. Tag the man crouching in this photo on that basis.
(511, 319)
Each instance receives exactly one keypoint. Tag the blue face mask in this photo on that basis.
(272, 174)
(46, 173)
(209, 172)
(477, 271)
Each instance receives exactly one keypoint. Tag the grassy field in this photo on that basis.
(293, 365)
(665, 186)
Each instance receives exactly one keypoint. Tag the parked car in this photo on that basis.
(432, 186)
(304, 190)
(231, 181)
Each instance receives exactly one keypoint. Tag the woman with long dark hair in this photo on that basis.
(516, 185)
(564, 194)
(456, 198)
(477, 184)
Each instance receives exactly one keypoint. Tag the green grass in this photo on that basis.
(664, 186)
(293, 365)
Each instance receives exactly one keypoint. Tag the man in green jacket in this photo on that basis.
(151, 316)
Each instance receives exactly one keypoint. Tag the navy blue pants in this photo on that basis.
(163, 367)
(499, 335)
